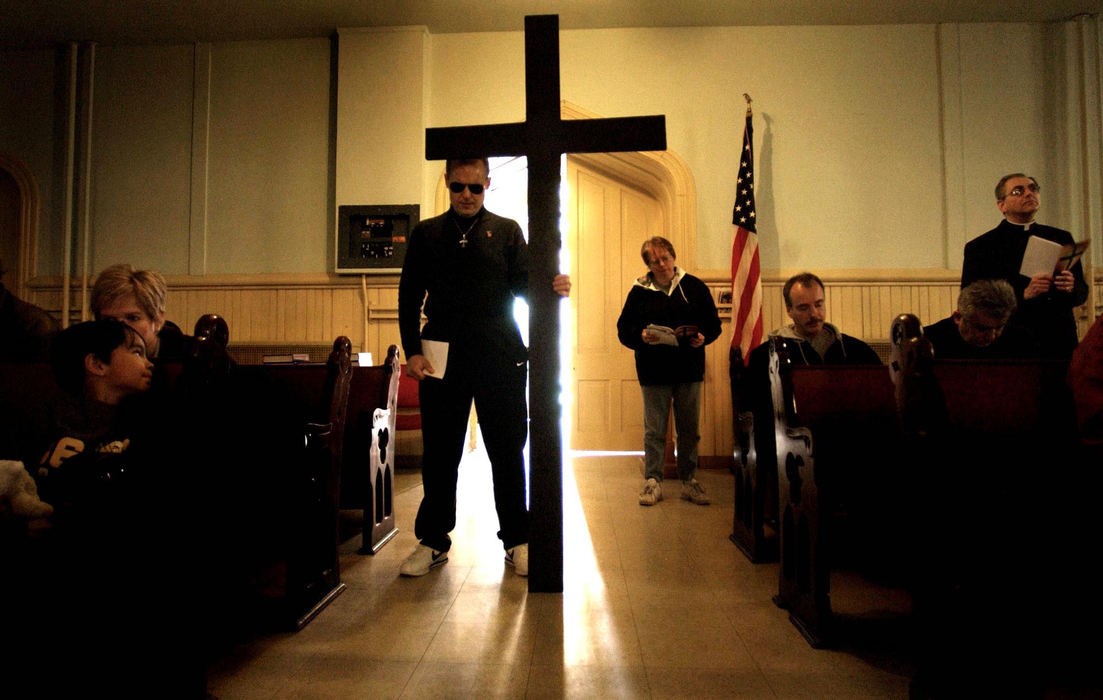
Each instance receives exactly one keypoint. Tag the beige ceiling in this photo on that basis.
(39, 22)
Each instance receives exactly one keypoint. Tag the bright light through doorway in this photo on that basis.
(508, 196)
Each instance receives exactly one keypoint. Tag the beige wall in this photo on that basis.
(205, 159)
(381, 106)
(877, 146)
(269, 161)
(141, 157)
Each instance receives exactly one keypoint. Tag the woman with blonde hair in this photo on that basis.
(137, 298)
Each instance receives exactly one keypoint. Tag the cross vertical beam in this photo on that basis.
(543, 137)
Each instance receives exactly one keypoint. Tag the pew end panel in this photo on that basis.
(314, 574)
(382, 468)
(373, 413)
(755, 516)
(803, 573)
(750, 532)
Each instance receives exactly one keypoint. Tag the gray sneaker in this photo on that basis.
(693, 491)
(652, 493)
(422, 560)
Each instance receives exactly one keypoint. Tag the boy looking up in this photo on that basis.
(98, 364)
(106, 473)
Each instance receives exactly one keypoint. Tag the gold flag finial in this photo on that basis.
(748, 99)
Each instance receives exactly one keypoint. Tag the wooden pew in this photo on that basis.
(367, 463)
(354, 442)
(321, 391)
(1000, 427)
(279, 433)
(834, 426)
(955, 468)
(1000, 588)
(302, 502)
(359, 446)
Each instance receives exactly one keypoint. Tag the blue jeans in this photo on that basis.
(656, 409)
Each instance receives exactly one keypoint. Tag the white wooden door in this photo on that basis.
(609, 220)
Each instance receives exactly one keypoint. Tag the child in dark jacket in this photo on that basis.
(86, 453)
(107, 584)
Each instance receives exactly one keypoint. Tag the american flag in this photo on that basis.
(746, 271)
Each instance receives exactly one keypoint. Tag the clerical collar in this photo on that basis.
(1025, 227)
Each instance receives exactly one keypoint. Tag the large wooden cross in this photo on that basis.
(543, 137)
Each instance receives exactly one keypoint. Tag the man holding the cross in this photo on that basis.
(464, 268)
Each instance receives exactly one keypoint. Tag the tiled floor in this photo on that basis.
(657, 603)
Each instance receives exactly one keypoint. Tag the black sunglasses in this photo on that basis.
(457, 187)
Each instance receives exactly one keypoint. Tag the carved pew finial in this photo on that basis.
(919, 401)
(209, 357)
(212, 328)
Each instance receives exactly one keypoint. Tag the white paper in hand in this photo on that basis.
(1040, 257)
(436, 351)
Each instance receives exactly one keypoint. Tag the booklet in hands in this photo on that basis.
(1044, 257)
(673, 336)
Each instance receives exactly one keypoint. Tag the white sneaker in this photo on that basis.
(518, 558)
(422, 560)
(652, 493)
(693, 491)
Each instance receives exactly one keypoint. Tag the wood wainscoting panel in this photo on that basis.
(318, 308)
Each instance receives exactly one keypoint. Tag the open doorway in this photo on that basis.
(508, 196)
(604, 219)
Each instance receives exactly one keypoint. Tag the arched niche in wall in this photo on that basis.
(18, 209)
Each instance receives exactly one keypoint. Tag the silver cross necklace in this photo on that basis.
(463, 234)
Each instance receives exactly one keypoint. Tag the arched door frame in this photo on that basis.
(25, 265)
(661, 174)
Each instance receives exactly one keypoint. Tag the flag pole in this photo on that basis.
(745, 270)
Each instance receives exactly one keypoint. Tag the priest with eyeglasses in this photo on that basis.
(1046, 299)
